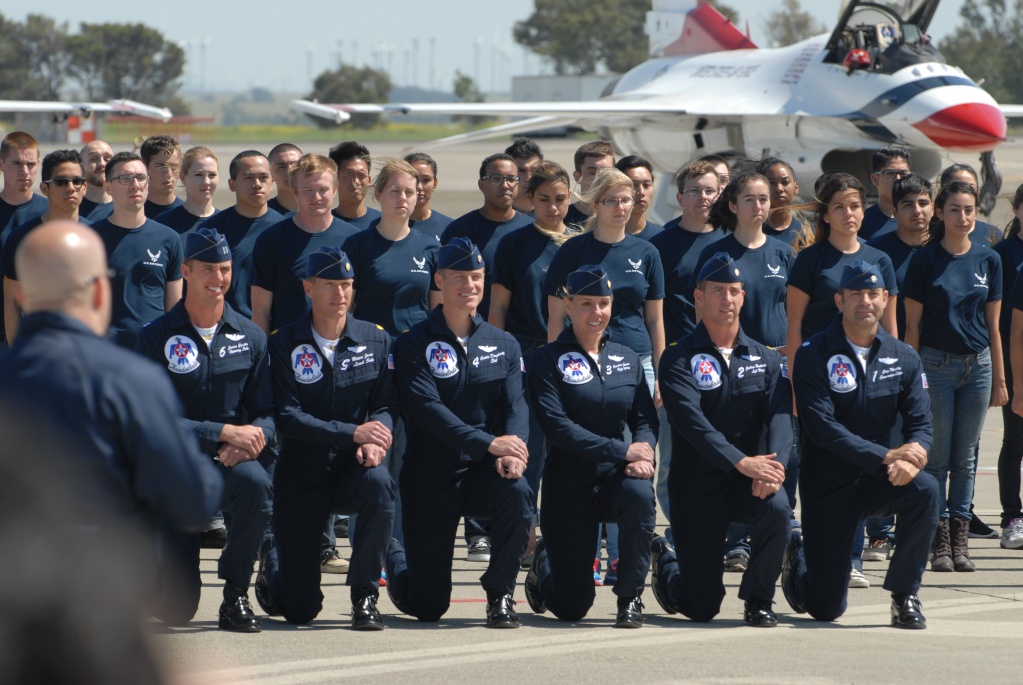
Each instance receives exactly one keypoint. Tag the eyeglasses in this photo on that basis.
(698, 192)
(62, 181)
(893, 174)
(361, 179)
(614, 202)
(498, 179)
(126, 179)
(109, 273)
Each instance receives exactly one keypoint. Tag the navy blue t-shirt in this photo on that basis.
(486, 234)
(363, 222)
(14, 240)
(634, 267)
(1010, 250)
(1015, 303)
(900, 254)
(275, 204)
(954, 290)
(575, 217)
(95, 211)
(680, 249)
(764, 270)
(182, 220)
(520, 266)
(434, 226)
(789, 235)
(986, 234)
(241, 233)
(12, 216)
(649, 231)
(153, 210)
(145, 260)
(392, 278)
(278, 258)
(874, 220)
(817, 271)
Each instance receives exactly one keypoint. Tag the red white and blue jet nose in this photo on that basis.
(967, 127)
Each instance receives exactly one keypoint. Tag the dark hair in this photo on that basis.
(1013, 228)
(117, 159)
(767, 162)
(342, 152)
(496, 157)
(911, 184)
(154, 145)
(953, 188)
(887, 154)
(713, 159)
(232, 169)
(596, 148)
(825, 188)
(422, 158)
(948, 172)
(548, 172)
(697, 169)
(524, 148)
(630, 162)
(58, 157)
(721, 214)
(283, 147)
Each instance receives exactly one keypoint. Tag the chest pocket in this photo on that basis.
(353, 372)
(883, 381)
(747, 376)
(230, 366)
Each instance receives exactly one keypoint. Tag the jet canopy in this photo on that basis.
(883, 36)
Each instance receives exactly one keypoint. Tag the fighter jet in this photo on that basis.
(824, 104)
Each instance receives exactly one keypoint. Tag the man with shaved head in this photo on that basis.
(98, 204)
(118, 409)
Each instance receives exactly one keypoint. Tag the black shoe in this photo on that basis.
(979, 529)
(661, 553)
(236, 615)
(259, 587)
(392, 591)
(532, 583)
(758, 613)
(788, 575)
(907, 612)
(365, 615)
(213, 539)
(341, 528)
(501, 613)
(630, 613)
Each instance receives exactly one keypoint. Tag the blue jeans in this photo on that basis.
(612, 528)
(960, 390)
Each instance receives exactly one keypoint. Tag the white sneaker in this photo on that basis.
(1012, 534)
(333, 562)
(857, 579)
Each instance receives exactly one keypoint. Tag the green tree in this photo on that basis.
(466, 90)
(792, 24)
(985, 45)
(352, 84)
(33, 58)
(126, 61)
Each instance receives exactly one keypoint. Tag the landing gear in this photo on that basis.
(991, 183)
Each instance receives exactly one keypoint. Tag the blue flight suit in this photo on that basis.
(456, 403)
(227, 382)
(719, 414)
(319, 407)
(847, 416)
(584, 407)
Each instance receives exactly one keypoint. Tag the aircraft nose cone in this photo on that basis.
(971, 126)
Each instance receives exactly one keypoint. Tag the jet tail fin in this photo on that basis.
(677, 27)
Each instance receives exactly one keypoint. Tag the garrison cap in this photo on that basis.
(330, 263)
(861, 275)
(207, 245)
(720, 268)
(461, 254)
(588, 279)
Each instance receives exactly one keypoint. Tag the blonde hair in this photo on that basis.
(309, 165)
(389, 168)
(193, 155)
(604, 182)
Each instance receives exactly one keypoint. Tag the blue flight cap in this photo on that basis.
(720, 268)
(861, 275)
(330, 263)
(460, 255)
(588, 279)
(207, 245)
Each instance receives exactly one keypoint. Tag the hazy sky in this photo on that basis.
(278, 44)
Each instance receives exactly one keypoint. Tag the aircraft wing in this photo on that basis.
(596, 109)
(115, 106)
(1012, 111)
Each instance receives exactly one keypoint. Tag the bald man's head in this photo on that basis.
(62, 267)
